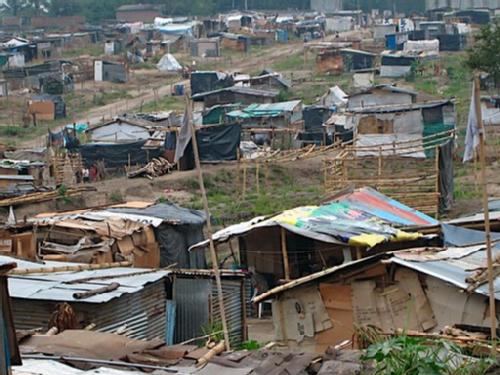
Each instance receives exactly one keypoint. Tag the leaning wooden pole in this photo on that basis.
(487, 229)
(213, 255)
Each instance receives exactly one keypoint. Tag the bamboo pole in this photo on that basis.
(482, 156)
(284, 252)
(80, 267)
(215, 263)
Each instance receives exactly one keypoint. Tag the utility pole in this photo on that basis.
(487, 229)
(246, 5)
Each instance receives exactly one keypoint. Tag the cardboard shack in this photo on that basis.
(144, 233)
(344, 60)
(304, 240)
(418, 289)
(46, 107)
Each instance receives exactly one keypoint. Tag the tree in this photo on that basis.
(65, 7)
(485, 54)
(14, 7)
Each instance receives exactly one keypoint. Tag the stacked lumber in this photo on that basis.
(44, 196)
(155, 168)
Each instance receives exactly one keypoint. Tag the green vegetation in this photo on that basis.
(404, 355)
(93, 50)
(281, 190)
(107, 97)
(116, 196)
(167, 103)
(250, 345)
(293, 62)
(214, 331)
(485, 55)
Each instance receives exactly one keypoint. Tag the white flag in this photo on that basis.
(472, 136)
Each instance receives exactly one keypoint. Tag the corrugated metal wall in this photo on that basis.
(192, 299)
(143, 313)
(198, 306)
(234, 305)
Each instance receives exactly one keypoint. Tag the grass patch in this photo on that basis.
(228, 204)
(94, 50)
(167, 103)
(292, 62)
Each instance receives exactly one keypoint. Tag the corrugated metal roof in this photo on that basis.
(454, 270)
(16, 177)
(55, 286)
(239, 90)
(401, 107)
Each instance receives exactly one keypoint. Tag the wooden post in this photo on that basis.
(244, 188)
(482, 159)
(284, 253)
(379, 172)
(215, 264)
(437, 181)
(257, 181)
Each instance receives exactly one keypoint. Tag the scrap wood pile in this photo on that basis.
(155, 168)
(45, 196)
(85, 349)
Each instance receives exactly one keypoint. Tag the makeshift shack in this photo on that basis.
(110, 71)
(235, 94)
(276, 115)
(381, 30)
(143, 233)
(209, 81)
(303, 240)
(418, 136)
(397, 63)
(9, 350)
(115, 156)
(344, 60)
(381, 95)
(46, 107)
(208, 47)
(120, 130)
(135, 298)
(195, 299)
(420, 290)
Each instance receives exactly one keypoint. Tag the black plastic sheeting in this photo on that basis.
(219, 143)
(208, 81)
(215, 143)
(314, 117)
(458, 236)
(446, 182)
(181, 228)
(117, 155)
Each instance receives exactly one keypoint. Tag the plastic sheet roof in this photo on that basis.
(56, 286)
(265, 110)
(362, 217)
